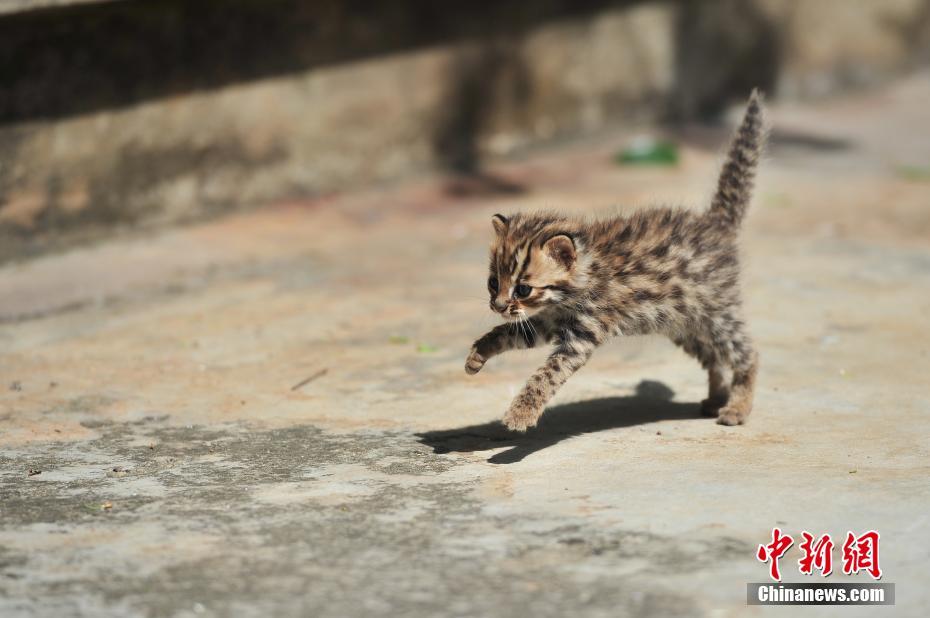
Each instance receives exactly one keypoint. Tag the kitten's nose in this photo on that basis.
(500, 304)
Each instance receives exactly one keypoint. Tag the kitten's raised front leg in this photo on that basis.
(571, 354)
(502, 338)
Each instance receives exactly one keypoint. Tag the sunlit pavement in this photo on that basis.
(268, 413)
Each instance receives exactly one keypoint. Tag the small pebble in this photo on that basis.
(118, 472)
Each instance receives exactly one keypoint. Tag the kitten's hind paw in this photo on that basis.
(731, 416)
(474, 362)
(711, 407)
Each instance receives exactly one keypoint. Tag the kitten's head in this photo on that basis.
(533, 262)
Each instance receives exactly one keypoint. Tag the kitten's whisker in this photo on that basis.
(533, 328)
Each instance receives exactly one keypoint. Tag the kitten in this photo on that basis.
(573, 284)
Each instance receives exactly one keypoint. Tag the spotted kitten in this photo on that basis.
(574, 284)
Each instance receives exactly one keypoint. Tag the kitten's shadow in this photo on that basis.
(652, 402)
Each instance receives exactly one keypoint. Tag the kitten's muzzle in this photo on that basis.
(507, 308)
(501, 306)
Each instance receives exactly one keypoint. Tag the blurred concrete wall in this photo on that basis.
(150, 112)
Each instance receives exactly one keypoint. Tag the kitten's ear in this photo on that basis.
(500, 223)
(561, 249)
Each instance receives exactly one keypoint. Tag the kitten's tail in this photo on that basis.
(734, 188)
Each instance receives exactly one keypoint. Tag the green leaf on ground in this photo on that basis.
(916, 173)
(648, 151)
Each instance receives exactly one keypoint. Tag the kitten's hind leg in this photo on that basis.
(719, 386)
(729, 400)
(718, 392)
(742, 389)
(735, 347)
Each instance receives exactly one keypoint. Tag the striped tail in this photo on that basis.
(734, 188)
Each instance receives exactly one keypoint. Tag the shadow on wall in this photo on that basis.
(481, 76)
(651, 402)
(724, 49)
(683, 61)
(68, 61)
(62, 61)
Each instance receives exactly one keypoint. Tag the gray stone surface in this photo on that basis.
(157, 384)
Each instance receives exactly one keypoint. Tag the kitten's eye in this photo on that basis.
(522, 291)
(492, 284)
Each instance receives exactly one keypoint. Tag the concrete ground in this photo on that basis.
(268, 414)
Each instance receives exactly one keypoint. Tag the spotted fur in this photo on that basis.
(573, 284)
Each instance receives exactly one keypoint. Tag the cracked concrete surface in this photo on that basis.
(160, 455)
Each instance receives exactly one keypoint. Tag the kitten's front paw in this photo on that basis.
(521, 416)
(474, 362)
